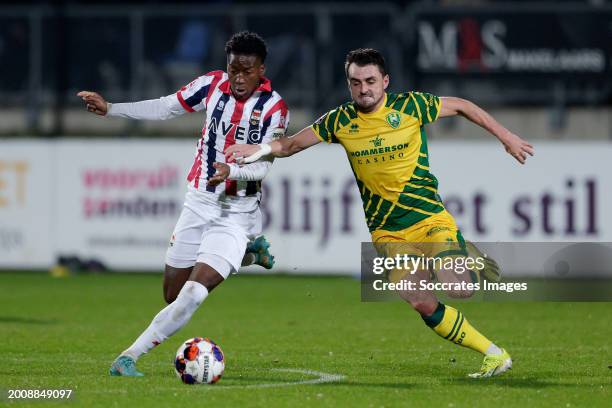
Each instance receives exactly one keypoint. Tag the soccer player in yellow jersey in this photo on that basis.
(385, 140)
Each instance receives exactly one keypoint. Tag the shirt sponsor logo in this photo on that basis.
(377, 142)
(379, 150)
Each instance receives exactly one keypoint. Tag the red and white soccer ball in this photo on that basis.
(199, 361)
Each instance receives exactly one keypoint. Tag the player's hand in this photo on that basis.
(517, 147)
(95, 102)
(223, 171)
(238, 152)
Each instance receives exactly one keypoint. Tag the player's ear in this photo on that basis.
(262, 70)
(386, 81)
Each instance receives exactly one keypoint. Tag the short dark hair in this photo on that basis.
(363, 57)
(247, 43)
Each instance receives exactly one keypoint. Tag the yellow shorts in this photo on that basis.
(434, 237)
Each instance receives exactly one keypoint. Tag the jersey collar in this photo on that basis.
(264, 86)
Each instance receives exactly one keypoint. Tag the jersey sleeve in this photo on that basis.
(423, 106)
(193, 96)
(166, 107)
(275, 121)
(325, 127)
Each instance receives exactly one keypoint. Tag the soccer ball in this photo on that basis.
(199, 361)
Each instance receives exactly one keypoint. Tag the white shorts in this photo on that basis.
(207, 228)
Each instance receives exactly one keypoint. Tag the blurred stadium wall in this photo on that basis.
(71, 183)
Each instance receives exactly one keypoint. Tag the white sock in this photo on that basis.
(167, 322)
(249, 259)
(493, 350)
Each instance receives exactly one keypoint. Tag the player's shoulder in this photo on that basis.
(347, 110)
(275, 105)
(338, 117)
(275, 97)
(408, 101)
(391, 96)
(212, 78)
(267, 95)
(275, 102)
(217, 74)
(396, 99)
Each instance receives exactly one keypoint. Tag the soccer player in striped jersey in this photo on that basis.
(221, 215)
(385, 141)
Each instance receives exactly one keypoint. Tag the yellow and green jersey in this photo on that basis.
(388, 153)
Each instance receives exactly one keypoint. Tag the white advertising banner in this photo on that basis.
(118, 200)
(26, 204)
(560, 194)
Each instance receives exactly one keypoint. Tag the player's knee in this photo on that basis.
(211, 270)
(423, 307)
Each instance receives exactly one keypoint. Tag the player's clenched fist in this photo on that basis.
(223, 171)
(94, 102)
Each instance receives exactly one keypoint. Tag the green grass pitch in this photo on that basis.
(64, 333)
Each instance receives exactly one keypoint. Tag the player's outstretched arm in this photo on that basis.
(166, 107)
(283, 147)
(515, 145)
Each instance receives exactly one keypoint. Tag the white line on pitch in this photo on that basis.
(321, 379)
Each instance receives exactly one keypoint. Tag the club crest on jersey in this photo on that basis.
(255, 116)
(221, 105)
(394, 119)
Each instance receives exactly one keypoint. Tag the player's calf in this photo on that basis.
(174, 280)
